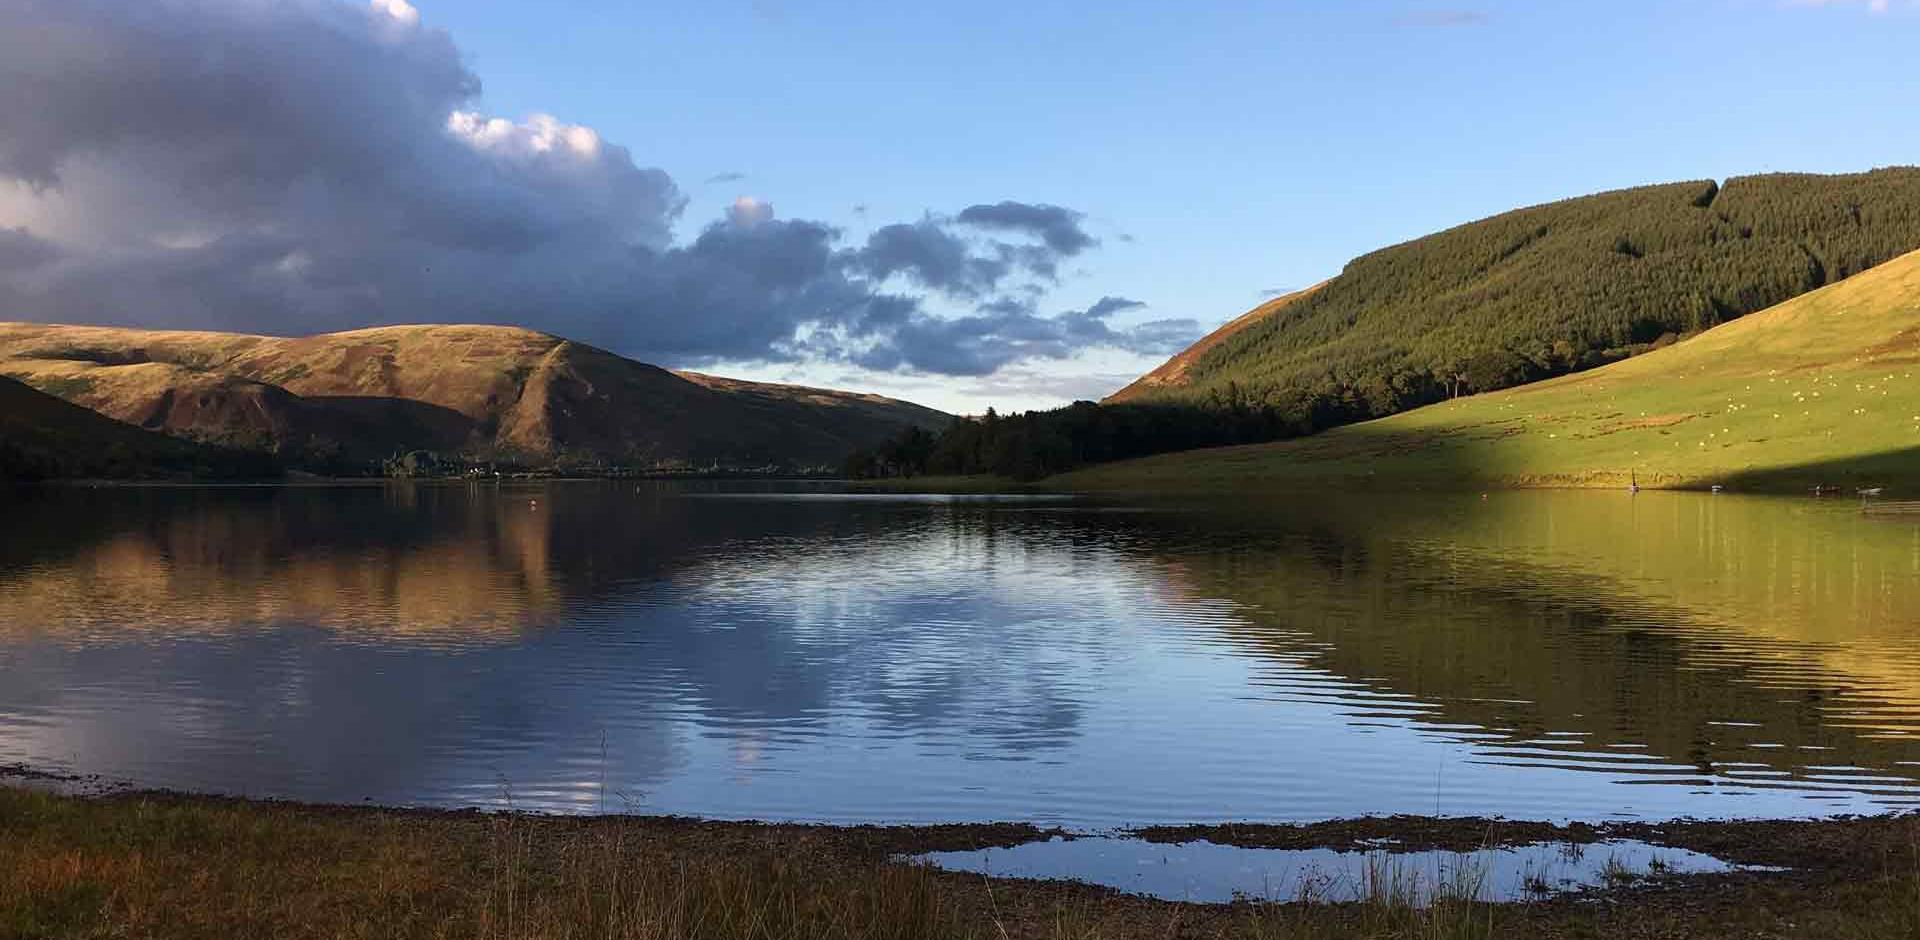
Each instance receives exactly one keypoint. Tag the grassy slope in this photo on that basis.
(1547, 290)
(43, 437)
(1820, 389)
(474, 388)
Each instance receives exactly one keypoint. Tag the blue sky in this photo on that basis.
(1242, 146)
(1212, 150)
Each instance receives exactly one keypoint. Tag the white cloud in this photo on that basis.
(538, 135)
(747, 212)
(400, 10)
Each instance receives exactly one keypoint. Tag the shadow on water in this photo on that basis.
(1896, 470)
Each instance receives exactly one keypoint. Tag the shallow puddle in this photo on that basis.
(1207, 872)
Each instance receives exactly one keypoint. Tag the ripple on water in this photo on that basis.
(923, 660)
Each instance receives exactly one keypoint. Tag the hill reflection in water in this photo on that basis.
(663, 648)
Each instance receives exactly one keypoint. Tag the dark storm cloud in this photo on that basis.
(19, 250)
(310, 165)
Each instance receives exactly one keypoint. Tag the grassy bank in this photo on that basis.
(1819, 390)
(157, 866)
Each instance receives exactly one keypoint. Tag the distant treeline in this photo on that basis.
(1035, 444)
(1512, 299)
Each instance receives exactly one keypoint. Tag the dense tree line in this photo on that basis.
(1035, 444)
(1558, 288)
(1512, 299)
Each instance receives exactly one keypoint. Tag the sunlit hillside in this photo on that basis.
(1818, 390)
(1543, 291)
(486, 391)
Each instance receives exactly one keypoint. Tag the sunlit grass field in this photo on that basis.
(1823, 389)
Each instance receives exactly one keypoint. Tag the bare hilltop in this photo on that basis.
(479, 392)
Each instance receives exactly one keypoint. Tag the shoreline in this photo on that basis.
(328, 867)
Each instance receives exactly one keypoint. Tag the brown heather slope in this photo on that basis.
(42, 437)
(483, 391)
(1174, 372)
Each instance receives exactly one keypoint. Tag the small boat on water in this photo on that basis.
(1871, 491)
(1826, 490)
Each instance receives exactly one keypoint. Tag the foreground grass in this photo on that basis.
(1822, 389)
(186, 868)
(165, 867)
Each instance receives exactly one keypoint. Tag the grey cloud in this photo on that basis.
(1163, 337)
(1008, 330)
(929, 254)
(730, 177)
(20, 250)
(1107, 306)
(312, 165)
(1058, 228)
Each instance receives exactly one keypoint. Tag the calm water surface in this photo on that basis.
(1204, 871)
(820, 656)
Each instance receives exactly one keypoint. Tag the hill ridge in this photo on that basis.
(1174, 371)
(488, 392)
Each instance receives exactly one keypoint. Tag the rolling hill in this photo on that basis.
(1542, 291)
(1177, 372)
(1821, 389)
(42, 437)
(341, 399)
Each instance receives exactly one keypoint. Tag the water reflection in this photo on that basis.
(657, 649)
(1740, 640)
(1204, 872)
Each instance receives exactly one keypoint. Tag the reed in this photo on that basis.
(175, 868)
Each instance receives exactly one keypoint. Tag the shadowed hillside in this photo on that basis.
(480, 391)
(1822, 389)
(42, 437)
